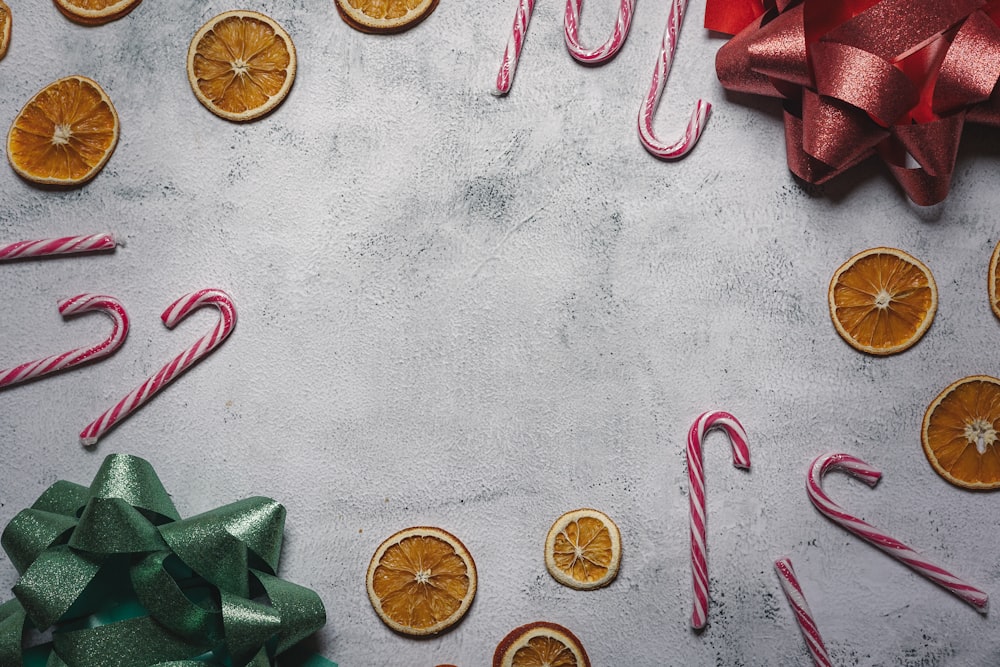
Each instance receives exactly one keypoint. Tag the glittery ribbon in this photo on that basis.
(115, 578)
(860, 78)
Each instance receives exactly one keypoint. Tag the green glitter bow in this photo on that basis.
(123, 581)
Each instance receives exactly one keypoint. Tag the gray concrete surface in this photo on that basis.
(479, 313)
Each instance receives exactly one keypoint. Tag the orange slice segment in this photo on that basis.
(241, 65)
(993, 281)
(95, 12)
(960, 433)
(5, 22)
(882, 300)
(64, 134)
(540, 644)
(583, 549)
(384, 16)
(421, 581)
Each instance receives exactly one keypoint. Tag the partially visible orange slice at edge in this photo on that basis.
(961, 433)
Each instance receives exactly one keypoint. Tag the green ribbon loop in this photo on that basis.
(123, 581)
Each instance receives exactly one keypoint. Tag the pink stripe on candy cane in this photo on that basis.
(606, 51)
(696, 122)
(505, 77)
(61, 246)
(857, 468)
(81, 303)
(176, 312)
(797, 601)
(696, 479)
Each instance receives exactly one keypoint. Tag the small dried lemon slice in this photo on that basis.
(882, 300)
(540, 644)
(421, 581)
(5, 21)
(64, 134)
(961, 430)
(993, 281)
(583, 549)
(384, 16)
(95, 12)
(241, 65)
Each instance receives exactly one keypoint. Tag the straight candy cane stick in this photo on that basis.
(81, 303)
(505, 77)
(696, 122)
(857, 468)
(176, 312)
(606, 51)
(62, 246)
(797, 601)
(696, 480)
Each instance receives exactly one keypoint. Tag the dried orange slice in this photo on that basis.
(241, 65)
(540, 644)
(993, 281)
(95, 12)
(583, 549)
(882, 300)
(5, 21)
(384, 16)
(960, 433)
(64, 134)
(421, 581)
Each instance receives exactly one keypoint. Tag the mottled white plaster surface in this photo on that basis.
(479, 313)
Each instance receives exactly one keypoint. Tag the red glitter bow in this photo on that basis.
(896, 78)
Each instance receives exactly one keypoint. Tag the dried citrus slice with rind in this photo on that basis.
(241, 65)
(583, 549)
(384, 16)
(65, 134)
(540, 644)
(5, 23)
(882, 300)
(993, 281)
(961, 432)
(421, 581)
(95, 12)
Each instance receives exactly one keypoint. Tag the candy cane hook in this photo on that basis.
(857, 468)
(176, 312)
(81, 303)
(696, 122)
(696, 480)
(61, 246)
(803, 615)
(606, 51)
(505, 77)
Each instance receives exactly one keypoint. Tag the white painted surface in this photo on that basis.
(479, 313)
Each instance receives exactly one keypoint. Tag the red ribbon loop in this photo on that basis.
(896, 78)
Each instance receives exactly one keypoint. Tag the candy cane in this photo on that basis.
(606, 51)
(797, 601)
(81, 303)
(857, 468)
(696, 479)
(176, 312)
(696, 123)
(505, 77)
(61, 246)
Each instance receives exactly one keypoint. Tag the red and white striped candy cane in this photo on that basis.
(696, 122)
(857, 468)
(81, 303)
(696, 479)
(61, 246)
(505, 77)
(176, 312)
(607, 50)
(797, 601)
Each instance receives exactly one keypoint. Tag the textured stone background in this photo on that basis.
(479, 313)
